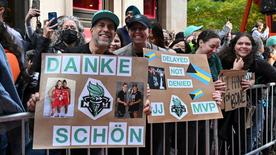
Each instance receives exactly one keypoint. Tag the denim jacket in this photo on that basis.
(9, 99)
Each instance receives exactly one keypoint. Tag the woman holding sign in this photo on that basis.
(207, 43)
(135, 102)
(242, 55)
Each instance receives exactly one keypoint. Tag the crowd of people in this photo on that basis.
(20, 59)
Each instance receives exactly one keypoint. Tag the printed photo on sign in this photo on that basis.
(156, 78)
(59, 100)
(186, 79)
(129, 100)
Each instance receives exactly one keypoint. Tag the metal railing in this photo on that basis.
(200, 136)
(18, 117)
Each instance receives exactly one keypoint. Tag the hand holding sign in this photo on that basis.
(32, 102)
(217, 97)
(147, 109)
(246, 84)
(220, 86)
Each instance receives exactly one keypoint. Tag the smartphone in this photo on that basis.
(36, 4)
(52, 15)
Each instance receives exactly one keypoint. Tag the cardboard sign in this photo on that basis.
(90, 101)
(234, 96)
(181, 87)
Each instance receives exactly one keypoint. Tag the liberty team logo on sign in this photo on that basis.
(95, 101)
(177, 107)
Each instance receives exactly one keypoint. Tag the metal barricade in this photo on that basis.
(201, 137)
(265, 128)
(18, 117)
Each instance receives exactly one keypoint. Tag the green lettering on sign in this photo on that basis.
(106, 65)
(71, 65)
(88, 63)
(96, 134)
(61, 132)
(138, 136)
(120, 134)
(54, 62)
(197, 108)
(76, 135)
(124, 65)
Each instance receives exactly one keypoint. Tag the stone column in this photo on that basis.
(176, 15)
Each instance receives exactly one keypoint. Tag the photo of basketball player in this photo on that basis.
(66, 96)
(122, 101)
(60, 98)
(129, 100)
(56, 98)
(135, 101)
(156, 78)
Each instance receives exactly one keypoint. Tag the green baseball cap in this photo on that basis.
(190, 29)
(105, 14)
(271, 41)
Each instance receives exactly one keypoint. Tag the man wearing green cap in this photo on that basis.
(123, 31)
(103, 27)
(104, 24)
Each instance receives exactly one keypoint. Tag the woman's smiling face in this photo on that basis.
(243, 47)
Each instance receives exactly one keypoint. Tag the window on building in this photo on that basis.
(88, 4)
(85, 8)
(150, 8)
(273, 23)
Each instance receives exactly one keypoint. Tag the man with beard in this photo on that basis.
(104, 25)
(123, 31)
(103, 30)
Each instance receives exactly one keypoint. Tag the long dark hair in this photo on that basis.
(157, 33)
(7, 42)
(205, 36)
(56, 86)
(228, 55)
(120, 35)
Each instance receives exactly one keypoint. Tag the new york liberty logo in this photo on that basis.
(177, 107)
(95, 100)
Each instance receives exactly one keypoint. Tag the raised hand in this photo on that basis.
(238, 64)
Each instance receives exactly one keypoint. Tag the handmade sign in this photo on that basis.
(181, 87)
(90, 101)
(234, 97)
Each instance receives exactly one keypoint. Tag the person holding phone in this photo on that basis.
(68, 34)
(33, 12)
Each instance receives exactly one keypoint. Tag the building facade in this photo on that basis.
(171, 14)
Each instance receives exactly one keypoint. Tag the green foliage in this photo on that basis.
(214, 14)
